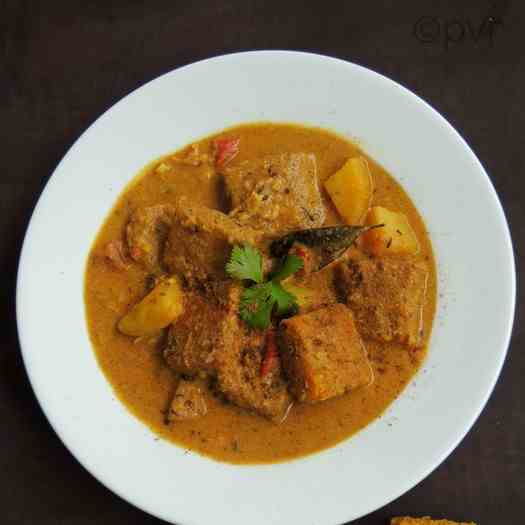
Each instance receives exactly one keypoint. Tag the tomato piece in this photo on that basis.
(225, 150)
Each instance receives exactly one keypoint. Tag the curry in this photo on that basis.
(261, 294)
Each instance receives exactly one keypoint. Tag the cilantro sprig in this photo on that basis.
(245, 264)
(261, 299)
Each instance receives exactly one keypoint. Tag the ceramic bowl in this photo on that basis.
(471, 330)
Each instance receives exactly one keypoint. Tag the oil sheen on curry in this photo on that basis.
(261, 294)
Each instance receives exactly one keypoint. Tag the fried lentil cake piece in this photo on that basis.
(323, 354)
(200, 241)
(210, 339)
(386, 296)
(146, 232)
(241, 381)
(277, 193)
(188, 402)
(203, 330)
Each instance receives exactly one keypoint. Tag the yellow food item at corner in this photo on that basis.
(424, 521)
(351, 189)
(395, 237)
(156, 311)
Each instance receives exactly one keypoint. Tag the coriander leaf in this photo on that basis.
(257, 293)
(291, 264)
(258, 301)
(284, 299)
(261, 318)
(256, 305)
(245, 263)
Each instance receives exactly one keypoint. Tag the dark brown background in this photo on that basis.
(61, 66)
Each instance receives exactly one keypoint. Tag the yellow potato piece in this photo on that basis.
(303, 296)
(351, 189)
(157, 310)
(395, 237)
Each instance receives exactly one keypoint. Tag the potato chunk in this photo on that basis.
(323, 355)
(351, 189)
(395, 237)
(156, 311)
(314, 290)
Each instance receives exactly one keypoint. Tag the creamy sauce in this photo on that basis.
(135, 368)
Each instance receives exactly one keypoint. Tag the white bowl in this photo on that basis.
(471, 330)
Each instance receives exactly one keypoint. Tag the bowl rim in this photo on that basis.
(23, 264)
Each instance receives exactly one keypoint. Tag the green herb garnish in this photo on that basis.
(245, 263)
(290, 265)
(260, 300)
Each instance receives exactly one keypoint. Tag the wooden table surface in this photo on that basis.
(62, 65)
